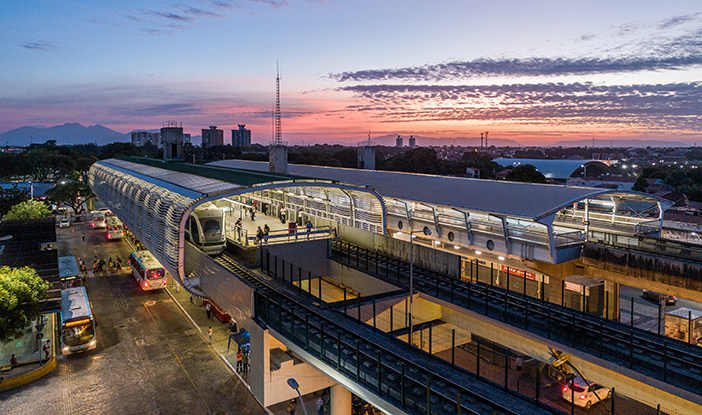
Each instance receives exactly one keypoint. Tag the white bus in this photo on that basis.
(146, 269)
(98, 220)
(69, 272)
(77, 321)
(115, 229)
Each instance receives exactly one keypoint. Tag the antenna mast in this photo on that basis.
(278, 128)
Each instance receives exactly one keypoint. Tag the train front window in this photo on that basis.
(212, 229)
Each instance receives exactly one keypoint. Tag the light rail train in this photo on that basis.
(205, 229)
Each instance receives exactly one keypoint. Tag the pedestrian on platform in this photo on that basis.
(518, 364)
(266, 231)
(239, 359)
(253, 214)
(320, 405)
(47, 349)
(209, 334)
(208, 308)
(238, 229)
(291, 406)
(259, 235)
(309, 229)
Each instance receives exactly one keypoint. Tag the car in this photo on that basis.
(658, 297)
(585, 393)
(64, 223)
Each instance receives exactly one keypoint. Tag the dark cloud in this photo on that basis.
(654, 53)
(203, 13)
(40, 45)
(676, 20)
(169, 15)
(487, 67)
(277, 4)
(162, 110)
(651, 107)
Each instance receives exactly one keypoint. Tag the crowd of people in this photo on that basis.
(100, 266)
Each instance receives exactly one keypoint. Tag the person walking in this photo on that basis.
(518, 364)
(266, 231)
(320, 405)
(309, 229)
(239, 359)
(253, 214)
(83, 236)
(13, 361)
(291, 406)
(209, 334)
(47, 349)
(208, 308)
(238, 229)
(259, 235)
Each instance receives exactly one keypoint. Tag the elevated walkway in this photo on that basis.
(666, 369)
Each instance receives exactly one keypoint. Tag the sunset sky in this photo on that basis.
(532, 71)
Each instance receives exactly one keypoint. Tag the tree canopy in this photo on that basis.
(21, 290)
(526, 173)
(31, 209)
(72, 193)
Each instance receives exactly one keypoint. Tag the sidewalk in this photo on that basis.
(32, 363)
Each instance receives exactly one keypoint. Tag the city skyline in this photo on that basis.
(535, 73)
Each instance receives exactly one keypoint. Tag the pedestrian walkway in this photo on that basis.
(30, 356)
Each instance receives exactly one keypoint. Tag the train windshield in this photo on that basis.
(212, 229)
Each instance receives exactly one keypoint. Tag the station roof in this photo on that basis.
(526, 200)
(552, 169)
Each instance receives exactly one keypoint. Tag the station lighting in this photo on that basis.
(456, 247)
(501, 258)
(478, 252)
(437, 242)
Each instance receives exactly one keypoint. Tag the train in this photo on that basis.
(205, 229)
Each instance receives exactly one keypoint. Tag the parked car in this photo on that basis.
(585, 393)
(658, 297)
(64, 223)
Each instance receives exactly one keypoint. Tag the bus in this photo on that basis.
(69, 272)
(146, 269)
(77, 322)
(115, 229)
(98, 220)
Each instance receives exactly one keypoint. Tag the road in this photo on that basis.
(149, 359)
(646, 310)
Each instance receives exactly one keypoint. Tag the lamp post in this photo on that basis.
(293, 384)
(426, 231)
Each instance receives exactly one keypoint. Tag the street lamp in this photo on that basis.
(426, 231)
(293, 384)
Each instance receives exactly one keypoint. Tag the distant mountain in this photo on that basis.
(69, 133)
(389, 140)
(619, 143)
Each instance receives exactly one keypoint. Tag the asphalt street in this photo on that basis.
(149, 359)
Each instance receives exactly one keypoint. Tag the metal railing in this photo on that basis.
(243, 236)
(568, 238)
(398, 373)
(659, 357)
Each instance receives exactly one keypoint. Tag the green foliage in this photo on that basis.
(11, 197)
(31, 209)
(640, 185)
(482, 161)
(119, 150)
(21, 289)
(72, 193)
(526, 173)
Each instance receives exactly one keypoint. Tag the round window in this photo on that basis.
(451, 236)
(399, 224)
(490, 244)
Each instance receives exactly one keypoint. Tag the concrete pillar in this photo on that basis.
(339, 401)
(260, 361)
(278, 158)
